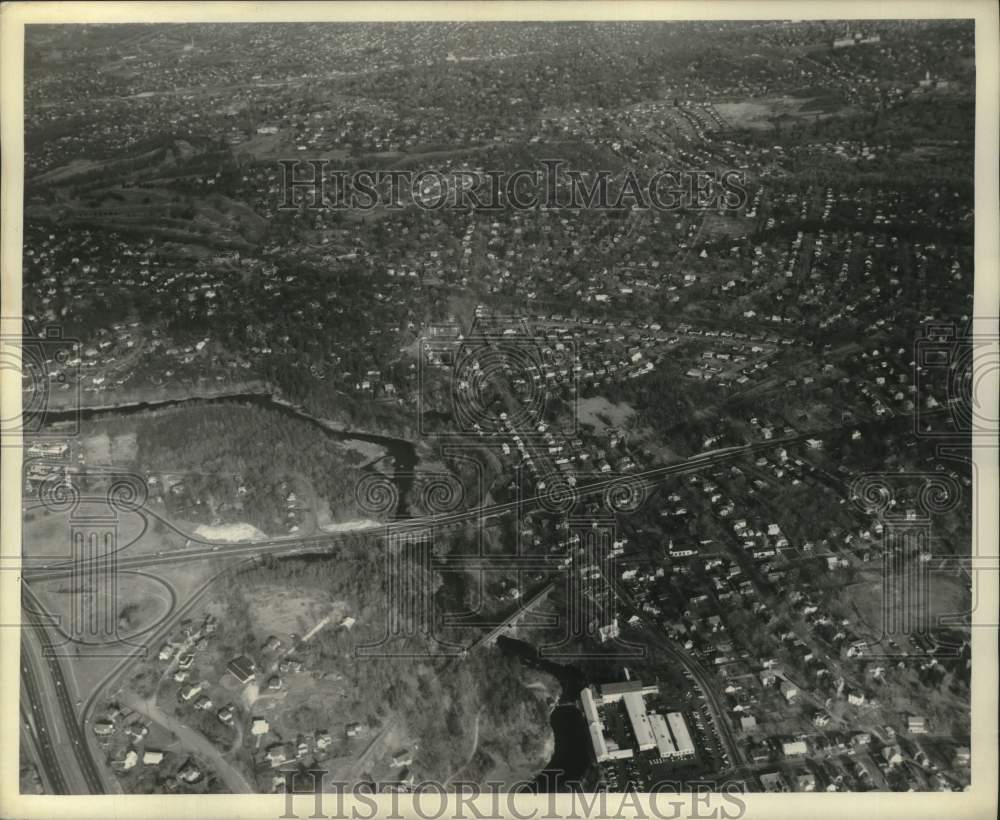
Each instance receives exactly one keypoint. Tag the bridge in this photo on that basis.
(510, 624)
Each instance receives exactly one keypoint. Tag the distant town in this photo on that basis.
(608, 497)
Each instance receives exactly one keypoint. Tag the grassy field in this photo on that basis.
(141, 603)
(948, 594)
(758, 114)
(598, 412)
(101, 449)
(46, 534)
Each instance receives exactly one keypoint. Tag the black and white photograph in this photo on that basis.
(435, 407)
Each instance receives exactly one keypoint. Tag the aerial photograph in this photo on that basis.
(541, 406)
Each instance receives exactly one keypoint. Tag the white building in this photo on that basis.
(635, 705)
(795, 748)
(664, 742)
(679, 730)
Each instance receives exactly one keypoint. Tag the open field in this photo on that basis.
(141, 602)
(758, 115)
(948, 595)
(598, 412)
(47, 534)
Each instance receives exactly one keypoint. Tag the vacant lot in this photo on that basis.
(598, 412)
(758, 114)
(46, 535)
(948, 595)
(102, 450)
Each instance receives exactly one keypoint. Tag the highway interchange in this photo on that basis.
(56, 761)
(47, 676)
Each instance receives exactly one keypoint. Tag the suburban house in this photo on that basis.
(242, 668)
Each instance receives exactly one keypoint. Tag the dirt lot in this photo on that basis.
(280, 611)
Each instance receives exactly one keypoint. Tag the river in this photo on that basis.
(403, 452)
(571, 764)
(571, 761)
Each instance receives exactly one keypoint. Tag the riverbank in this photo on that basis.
(67, 406)
(370, 447)
(69, 401)
(262, 398)
(569, 758)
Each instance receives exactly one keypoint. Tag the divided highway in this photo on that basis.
(279, 546)
(50, 701)
(52, 710)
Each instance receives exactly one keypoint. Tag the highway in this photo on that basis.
(323, 541)
(58, 707)
(646, 480)
(85, 772)
(52, 709)
(35, 729)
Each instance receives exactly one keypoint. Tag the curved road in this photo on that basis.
(701, 677)
(194, 741)
(76, 725)
(290, 546)
(48, 688)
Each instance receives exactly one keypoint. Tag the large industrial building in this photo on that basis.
(667, 734)
(679, 730)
